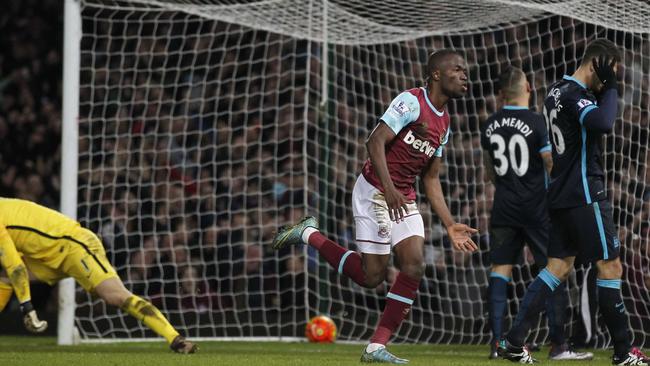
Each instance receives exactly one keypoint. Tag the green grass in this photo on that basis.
(34, 351)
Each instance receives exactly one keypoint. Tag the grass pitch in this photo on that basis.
(36, 351)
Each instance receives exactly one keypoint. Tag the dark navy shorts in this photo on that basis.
(586, 232)
(507, 243)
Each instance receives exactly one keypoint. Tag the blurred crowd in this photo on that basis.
(199, 138)
(30, 101)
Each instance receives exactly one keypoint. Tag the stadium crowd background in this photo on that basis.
(190, 177)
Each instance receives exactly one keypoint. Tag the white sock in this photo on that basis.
(305, 234)
(372, 347)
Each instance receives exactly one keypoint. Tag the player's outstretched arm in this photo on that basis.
(376, 146)
(460, 235)
(19, 279)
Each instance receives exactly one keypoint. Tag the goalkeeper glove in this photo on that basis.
(605, 72)
(30, 319)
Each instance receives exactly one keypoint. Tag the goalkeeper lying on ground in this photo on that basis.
(53, 247)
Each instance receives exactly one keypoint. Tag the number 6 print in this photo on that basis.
(556, 133)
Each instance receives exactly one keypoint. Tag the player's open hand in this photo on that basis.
(461, 237)
(397, 204)
(604, 69)
(33, 324)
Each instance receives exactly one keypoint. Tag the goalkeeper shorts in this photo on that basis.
(375, 232)
(81, 255)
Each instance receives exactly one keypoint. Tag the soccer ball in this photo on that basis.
(321, 329)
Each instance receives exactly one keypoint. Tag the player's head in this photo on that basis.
(595, 49)
(513, 85)
(447, 69)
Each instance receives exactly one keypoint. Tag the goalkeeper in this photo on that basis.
(53, 247)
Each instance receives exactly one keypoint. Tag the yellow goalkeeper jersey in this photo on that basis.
(33, 229)
(52, 245)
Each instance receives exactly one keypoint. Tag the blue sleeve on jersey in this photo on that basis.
(403, 110)
(438, 152)
(585, 102)
(545, 148)
(601, 117)
(584, 112)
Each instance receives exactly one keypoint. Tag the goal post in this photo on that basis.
(206, 124)
(69, 155)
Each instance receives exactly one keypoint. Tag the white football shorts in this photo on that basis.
(375, 232)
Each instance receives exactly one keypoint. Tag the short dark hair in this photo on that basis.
(509, 81)
(436, 58)
(599, 47)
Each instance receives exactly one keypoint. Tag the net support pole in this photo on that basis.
(305, 162)
(324, 58)
(69, 154)
(325, 123)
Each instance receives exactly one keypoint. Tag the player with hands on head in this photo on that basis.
(407, 142)
(582, 222)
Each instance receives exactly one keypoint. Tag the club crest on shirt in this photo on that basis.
(442, 136)
(383, 231)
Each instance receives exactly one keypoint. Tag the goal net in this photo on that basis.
(205, 124)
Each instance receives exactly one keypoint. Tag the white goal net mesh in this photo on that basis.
(205, 125)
